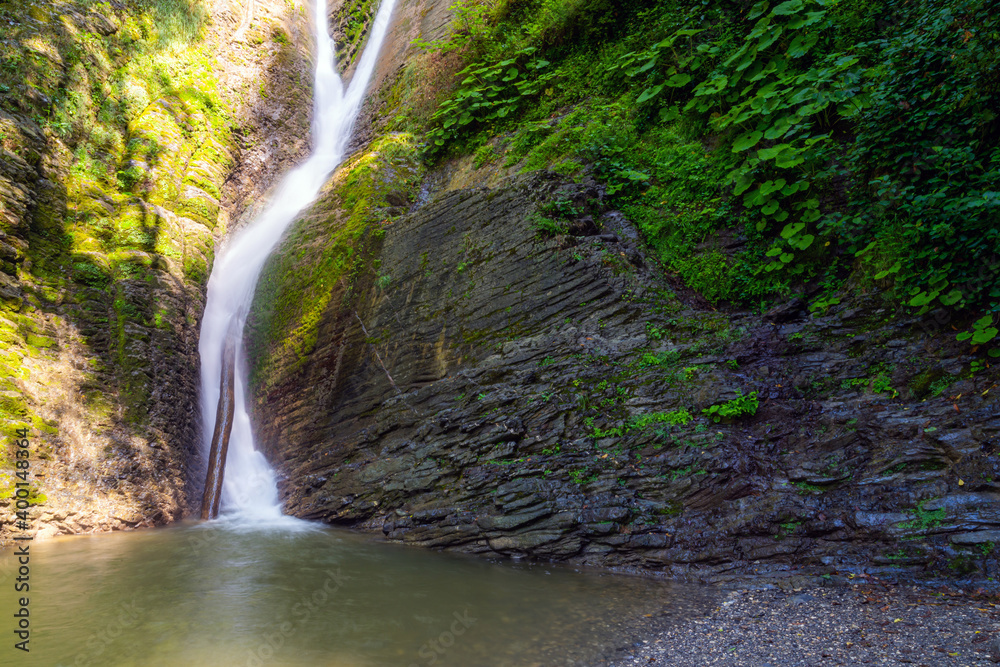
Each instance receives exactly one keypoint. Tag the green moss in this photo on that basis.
(325, 256)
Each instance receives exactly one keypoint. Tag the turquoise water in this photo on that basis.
(212, 594)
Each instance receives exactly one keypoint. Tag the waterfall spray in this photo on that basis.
(249, 487)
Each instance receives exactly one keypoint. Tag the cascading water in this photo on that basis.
(250, 490)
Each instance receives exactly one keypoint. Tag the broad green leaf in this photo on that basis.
(791, 229)
(649, 93)
(743, 183)
(758, 9)
(771, 186)
(788, 7)
(787, 257)
(773, 152)
(747, 141)
(924, 298)
(802, 242)
(633, 175)
(802, 44)
(789, 158)
(649, 64)
(753, 198)
(770, 207)
(984, 322)
(770, 38)
(949, 299)
(984, 336)
(892, 269)
(869, 247)
(780, 127)
(773, 252)
(678, 80)
(668, 114)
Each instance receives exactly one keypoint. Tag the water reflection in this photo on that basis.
(218, 594)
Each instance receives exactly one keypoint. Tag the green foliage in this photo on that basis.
(677, 417)
(652, 359)
(983, 331)
(488, 93)
(831, 135)
(926, 158)
(741, 405)
(924, 519)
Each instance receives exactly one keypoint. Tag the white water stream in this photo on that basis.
(250, 490)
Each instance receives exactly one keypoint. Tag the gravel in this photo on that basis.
(857, 625)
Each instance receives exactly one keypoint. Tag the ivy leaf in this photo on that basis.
(773, 252)
(965, 335)
(747, 141)
(511, 75)
(770, 207)
(787, 257)
(984, 322)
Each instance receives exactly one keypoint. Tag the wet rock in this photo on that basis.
(994, 649)
(509, 393)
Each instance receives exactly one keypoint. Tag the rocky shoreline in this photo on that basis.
(859, 624)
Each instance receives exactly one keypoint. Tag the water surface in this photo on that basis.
(219, 594)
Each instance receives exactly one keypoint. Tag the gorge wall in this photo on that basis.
(435, 361)
(133, 138)
(470, 353)
(476, 386)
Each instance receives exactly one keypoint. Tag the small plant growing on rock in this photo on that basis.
(741, 405)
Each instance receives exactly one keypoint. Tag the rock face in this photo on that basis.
(481, 386)
(115, 184)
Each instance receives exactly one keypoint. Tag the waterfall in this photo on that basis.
(250, 488)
